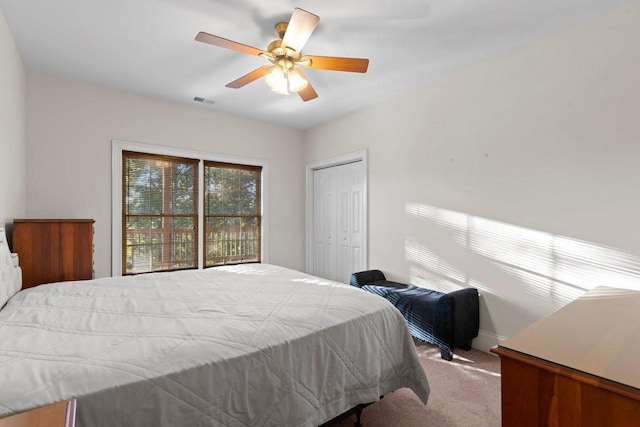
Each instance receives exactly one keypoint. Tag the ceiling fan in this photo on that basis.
(285, 54)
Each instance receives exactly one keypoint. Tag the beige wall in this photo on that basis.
(518, 175)
(70, 127)
(12, 129)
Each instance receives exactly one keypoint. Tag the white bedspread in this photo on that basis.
(253, 345)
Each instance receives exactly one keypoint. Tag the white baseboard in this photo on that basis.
(486, 340)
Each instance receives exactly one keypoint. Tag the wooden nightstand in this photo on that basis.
(576, 367)
(53, 250)
(61, 414)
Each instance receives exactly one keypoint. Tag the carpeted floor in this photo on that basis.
(464, 392)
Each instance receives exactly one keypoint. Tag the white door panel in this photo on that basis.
(338, 221)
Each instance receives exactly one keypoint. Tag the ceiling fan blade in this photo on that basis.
(308, 93)
(229, 44)
(249, 77)
(301, 25)
(335, 63)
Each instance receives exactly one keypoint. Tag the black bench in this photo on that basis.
(447, 320)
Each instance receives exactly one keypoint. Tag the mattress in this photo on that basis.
(249, 345)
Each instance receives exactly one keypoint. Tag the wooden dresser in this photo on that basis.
(61, 414)
(579, 366)
(53, 250)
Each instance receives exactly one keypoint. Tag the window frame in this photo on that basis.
(257, 215)
(165, 214)
(119, 146)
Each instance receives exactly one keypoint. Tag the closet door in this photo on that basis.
(338, 221)
(349, 227)
(324, 213)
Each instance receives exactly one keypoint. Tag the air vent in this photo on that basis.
(204, 100)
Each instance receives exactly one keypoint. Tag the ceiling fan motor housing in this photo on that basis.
(281, 28)
(280, 52)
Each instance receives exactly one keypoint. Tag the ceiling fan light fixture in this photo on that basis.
(277, 80)
(282, 90)
(284, 78)
(297, 82)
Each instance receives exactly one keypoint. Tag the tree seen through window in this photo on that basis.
(160, 213)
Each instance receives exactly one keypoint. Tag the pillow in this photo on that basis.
(10, 272)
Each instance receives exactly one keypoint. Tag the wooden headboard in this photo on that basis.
(10, 271)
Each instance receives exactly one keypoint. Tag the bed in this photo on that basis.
(248, 345)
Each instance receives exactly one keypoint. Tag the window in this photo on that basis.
(232, 213)
(185, 212)
(159, 213)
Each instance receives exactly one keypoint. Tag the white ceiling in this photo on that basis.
(148, 47)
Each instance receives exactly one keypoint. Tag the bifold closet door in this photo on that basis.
(338, 217)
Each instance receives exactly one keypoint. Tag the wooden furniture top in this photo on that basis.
(596, 334)
(53, 220)
(61, 414)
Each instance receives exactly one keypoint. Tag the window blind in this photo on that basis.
(232, 210)
(159, 213)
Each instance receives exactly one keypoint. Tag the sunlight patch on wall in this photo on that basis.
(543, 287)
(454, 220)
(422, 255)
(425, 278)
(555, 268)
